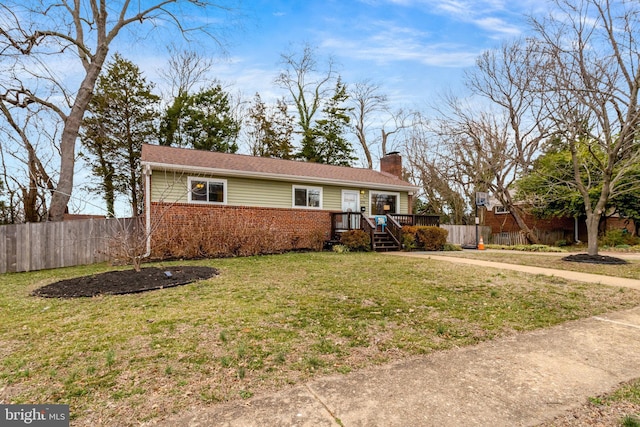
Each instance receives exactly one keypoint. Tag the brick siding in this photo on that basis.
(192, 230)
(505, 223)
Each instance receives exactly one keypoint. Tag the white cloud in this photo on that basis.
(491, 16)
(498, 25)
(396, 43)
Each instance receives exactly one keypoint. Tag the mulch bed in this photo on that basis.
(594, 259)
(125, 282)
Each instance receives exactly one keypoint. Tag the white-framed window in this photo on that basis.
(500, 210)
(381, 202)
(207, 190)
(307, 197)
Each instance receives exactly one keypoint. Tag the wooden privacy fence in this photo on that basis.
(517, 238)
(43, 245)
(465, 235)
(511, 238)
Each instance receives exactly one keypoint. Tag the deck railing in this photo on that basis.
(345, 221)
(419, 220)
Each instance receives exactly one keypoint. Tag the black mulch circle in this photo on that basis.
(125, 282)
(594, 259)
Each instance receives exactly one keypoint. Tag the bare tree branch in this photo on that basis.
(34, 35)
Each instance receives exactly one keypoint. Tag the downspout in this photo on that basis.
(147, 208)
(575, 230)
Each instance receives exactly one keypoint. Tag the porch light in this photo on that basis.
(361, 191)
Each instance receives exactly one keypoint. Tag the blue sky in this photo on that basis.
(414, 49)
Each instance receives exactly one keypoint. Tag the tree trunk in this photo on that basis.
(109, 195)
(516, 213)
(528, 233)
(360, 134)
(593, 223)
(62, 193)
(30, 194)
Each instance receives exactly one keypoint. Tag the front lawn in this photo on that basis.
(263, 324)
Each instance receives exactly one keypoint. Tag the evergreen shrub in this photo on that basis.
(356, 240)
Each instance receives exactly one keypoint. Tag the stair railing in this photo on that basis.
(394, 229)
(368, 227)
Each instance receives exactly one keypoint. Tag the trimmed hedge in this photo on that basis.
(428, 238)
(356, 240)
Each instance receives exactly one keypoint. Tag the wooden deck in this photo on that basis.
(383, 238)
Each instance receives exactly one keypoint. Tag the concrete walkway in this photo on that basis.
(522, 380)
(570, 275)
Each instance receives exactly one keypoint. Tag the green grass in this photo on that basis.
(263, 324)
(626, 397)
(630, 270)
(629, 392)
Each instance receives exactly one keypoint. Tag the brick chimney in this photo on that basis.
(391, 163)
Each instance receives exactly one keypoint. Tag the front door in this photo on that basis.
(351, 203)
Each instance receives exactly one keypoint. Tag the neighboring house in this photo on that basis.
(505, 230)
(549, 230)
(207, 202)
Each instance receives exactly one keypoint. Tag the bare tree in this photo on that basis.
(185, 69)
(308, 85)
(398, 122)
(367, 102)
(442, 191)
(495, 137)
(591, 82)
(35, 36)
(24, 150)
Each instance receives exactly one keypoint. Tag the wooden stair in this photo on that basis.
(383, 242)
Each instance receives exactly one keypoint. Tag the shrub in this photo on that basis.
(356, 240)
(561, 243)
(340, 249)
(211, 235)
(431, 238)
(618, 237)
(409, 238)
(451, 247)
(427, 238)
(526, 248)
(316, 240)
(612, 238)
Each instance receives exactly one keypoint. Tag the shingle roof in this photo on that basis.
(172, 158)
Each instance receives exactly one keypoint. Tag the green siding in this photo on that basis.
(253, 192)
(168, 187)
(172, 187)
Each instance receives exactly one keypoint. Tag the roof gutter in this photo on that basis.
(279, 177)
